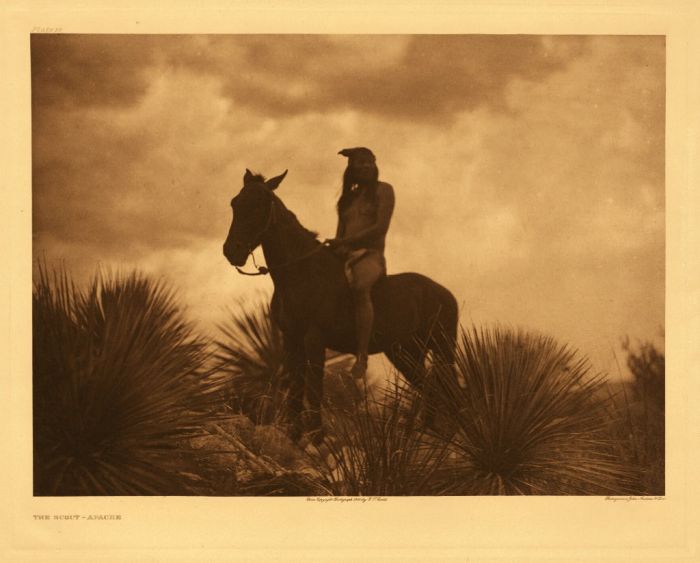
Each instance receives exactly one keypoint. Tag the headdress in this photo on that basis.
(357, 151)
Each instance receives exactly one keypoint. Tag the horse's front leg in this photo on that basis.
(315, 351)
(295, 363)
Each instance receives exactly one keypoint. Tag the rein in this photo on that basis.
(263, 270)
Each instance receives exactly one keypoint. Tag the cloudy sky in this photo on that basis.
(528, 170)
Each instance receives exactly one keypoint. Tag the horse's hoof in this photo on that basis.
(359, 370)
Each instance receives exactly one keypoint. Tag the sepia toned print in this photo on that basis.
(523, 353)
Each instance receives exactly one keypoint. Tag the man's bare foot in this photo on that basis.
(359, 369)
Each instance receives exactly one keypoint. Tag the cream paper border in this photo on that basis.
(418, 528)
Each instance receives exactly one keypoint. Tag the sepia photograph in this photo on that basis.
(341, 281)
(348, 265)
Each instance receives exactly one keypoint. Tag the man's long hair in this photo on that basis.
(348, 195)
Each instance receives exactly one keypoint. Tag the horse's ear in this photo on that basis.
(247, 177)
(272, 183)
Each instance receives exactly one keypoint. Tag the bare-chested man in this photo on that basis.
(364, 213)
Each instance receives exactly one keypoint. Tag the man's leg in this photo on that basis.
(366, 272)
(364, 319)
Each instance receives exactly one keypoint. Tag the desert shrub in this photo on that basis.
(242, 459)
(250, 352)
(637, 417)
(118, 388)
(528, 418)
(648, 367)
(382, 448)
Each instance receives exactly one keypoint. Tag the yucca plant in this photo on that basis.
(251, 353)
(528, 418)
(382, 448)
(119, 388)
(637, 416)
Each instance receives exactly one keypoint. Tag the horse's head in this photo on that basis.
(252, 216)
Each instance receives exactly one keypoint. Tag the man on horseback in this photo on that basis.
(415, 315)
(364, 213)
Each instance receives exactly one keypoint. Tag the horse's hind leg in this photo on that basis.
(443, 382)
(409, 359)
(443, 337)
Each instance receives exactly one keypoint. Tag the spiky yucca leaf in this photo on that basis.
(251, 352)
(119, 387)
(382, 449)
(529, 418)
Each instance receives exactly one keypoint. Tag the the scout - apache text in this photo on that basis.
(77, 517)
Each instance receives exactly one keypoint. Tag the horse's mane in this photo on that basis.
(294, 222)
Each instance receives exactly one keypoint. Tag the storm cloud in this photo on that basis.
(421, 77)
(529, 171)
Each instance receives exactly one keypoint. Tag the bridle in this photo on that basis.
(264, 270)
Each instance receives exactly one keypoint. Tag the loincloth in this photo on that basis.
(362, 254)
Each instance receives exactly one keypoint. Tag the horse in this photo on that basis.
(312, 304)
